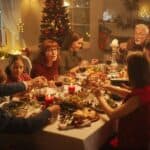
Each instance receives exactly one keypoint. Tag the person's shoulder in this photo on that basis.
(37, 66)
(36, 63)
(64, 53)
(26, 76)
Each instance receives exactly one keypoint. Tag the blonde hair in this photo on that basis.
(142, 26)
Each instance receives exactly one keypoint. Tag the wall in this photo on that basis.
(31, 16)
(95, 14)
(31, 12)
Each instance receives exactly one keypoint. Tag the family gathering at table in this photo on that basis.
(63, 86)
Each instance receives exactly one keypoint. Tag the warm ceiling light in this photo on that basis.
(66, 4)
(144, 11)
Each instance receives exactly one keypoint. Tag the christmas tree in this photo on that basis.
(55, 21)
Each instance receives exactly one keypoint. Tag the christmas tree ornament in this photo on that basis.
(55, 21)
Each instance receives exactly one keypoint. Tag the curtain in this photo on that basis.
(11, 10)
(2, 31)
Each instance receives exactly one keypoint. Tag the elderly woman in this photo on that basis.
(47, 64)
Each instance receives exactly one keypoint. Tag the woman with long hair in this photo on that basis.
(47, 64)
(134, 113)
(70, 57)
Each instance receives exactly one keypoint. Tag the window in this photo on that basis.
(79, 12)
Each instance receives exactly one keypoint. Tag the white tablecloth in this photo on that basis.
(50, 138)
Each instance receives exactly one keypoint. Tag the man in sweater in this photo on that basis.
(24, 125)
(136, 43)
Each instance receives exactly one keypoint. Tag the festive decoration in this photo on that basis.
(144, 11)
(55, 22)
(20, 25)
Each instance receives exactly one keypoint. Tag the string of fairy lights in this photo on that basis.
(144, 11)
(20, 25)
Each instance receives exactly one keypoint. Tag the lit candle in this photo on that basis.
(71, 89)
(114, 44)
(49, 99)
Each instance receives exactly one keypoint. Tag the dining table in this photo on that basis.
(51, 137)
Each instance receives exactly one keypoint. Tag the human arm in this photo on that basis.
(124, 109)
(27, 125)
(83, 64)
(9, 89)
(121, 53)
(122, 92)
(12, 88)
(94, 61)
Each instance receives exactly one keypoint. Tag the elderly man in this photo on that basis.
(136, 43)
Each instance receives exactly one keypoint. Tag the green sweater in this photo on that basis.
(69, 60)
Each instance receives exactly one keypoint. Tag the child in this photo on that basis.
(134, 113)
(16, 70)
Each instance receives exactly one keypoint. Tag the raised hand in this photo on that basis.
(39, 81)
(54, 109)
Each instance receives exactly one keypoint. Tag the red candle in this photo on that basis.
(49, 99)
(71, 89)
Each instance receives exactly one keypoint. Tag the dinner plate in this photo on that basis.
(119, 81)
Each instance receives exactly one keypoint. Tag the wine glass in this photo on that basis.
(108, 59)
(59, 84)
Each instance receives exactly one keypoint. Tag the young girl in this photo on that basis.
(47, 63)
(16, 71)
(134, 113)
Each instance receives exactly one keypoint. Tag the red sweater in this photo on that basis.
(40, 69)
(134, 129)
